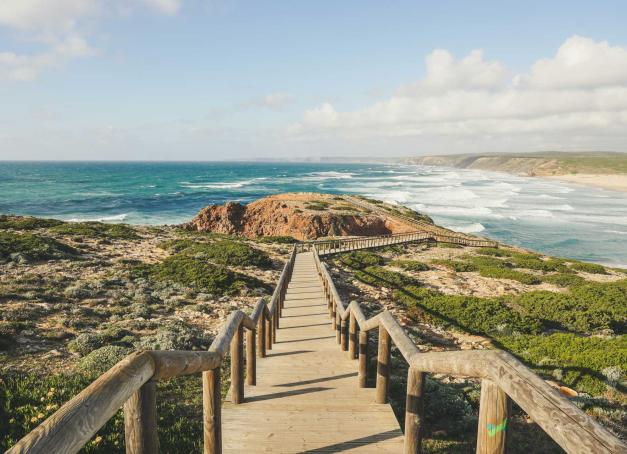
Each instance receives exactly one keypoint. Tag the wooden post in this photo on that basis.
(338, 328)
(414, 411)
(269, 333)
(275, 325)
(212, 411)
(333, 314)
(494, 407)
(363, 359)
(343, 336)
(140, 420)
(237, 366)
(383, 366)
(251, 358)
(261, 336)
(352, 336)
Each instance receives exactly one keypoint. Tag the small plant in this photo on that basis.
(591, 268)
(27, 247)
(564, 279)
(26, 222)
(360, 259)
(380, 277)
(96, 230)
(278, 239)
(455, 265)
(410, 265)
(227, 252)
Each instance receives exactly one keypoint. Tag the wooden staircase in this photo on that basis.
(305, 370)
(307, 398)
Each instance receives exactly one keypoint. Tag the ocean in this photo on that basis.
(544, 215)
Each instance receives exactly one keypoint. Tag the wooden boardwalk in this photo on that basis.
(307, 397)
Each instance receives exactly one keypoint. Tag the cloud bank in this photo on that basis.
(58, 27)
(576, 99)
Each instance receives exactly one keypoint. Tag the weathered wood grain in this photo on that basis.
(383, 365)
(414, 411)
(70, 427)
(494, 409)
(212, 412)
(140, 420)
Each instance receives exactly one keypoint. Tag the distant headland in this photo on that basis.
(607, 170)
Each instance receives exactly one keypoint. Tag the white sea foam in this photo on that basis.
(536, 214)
(113, 218)
(221, 185)
(331, 175)
(618, 232)
(470, 228)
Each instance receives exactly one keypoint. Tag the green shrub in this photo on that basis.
(410, 265)
(504, 273)
(177, 245)
(28, 246)
(587, 308)
(227, 252)
(348, 208)
(26, 222)
(175, 336)
(196, 273)
(361, 259)
(101, 360)
(27, 399)
(493, 251)
(85, 343)
(592, 268)
(487, 316)
(96, 230)
(455, 265)
(582, 362)
(278, 239)
(563, 279)
(318, 205)
(380, 277)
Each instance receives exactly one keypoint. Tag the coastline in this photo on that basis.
(611, 182)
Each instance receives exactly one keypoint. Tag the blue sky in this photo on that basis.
(202, 79)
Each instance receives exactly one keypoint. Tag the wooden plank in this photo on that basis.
(307, 397)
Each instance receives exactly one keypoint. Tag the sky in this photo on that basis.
(228, 79)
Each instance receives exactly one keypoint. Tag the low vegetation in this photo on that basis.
(32, 247)
(96, 230)
(361, 259)
(26, 222)
(410, 265)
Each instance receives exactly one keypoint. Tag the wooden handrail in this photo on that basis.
(503, 377)
(326, 247)
(131, 382)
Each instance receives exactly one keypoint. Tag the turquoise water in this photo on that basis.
(549, 216)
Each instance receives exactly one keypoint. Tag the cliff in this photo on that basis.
(300, 215)
(534, 164)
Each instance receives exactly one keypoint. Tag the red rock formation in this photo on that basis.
(287, 214)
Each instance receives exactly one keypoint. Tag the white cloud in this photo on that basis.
(581, 63)
(45, 15)
(164, 6)
(581, 92)
(472, 71)
(58, 27)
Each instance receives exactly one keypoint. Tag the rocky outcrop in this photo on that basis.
(302, 216)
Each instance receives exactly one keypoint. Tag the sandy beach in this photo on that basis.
(610, 182)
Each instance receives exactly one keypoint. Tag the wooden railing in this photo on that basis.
(422, 225)
(334, 246)
(502, 376)
(131, 383)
